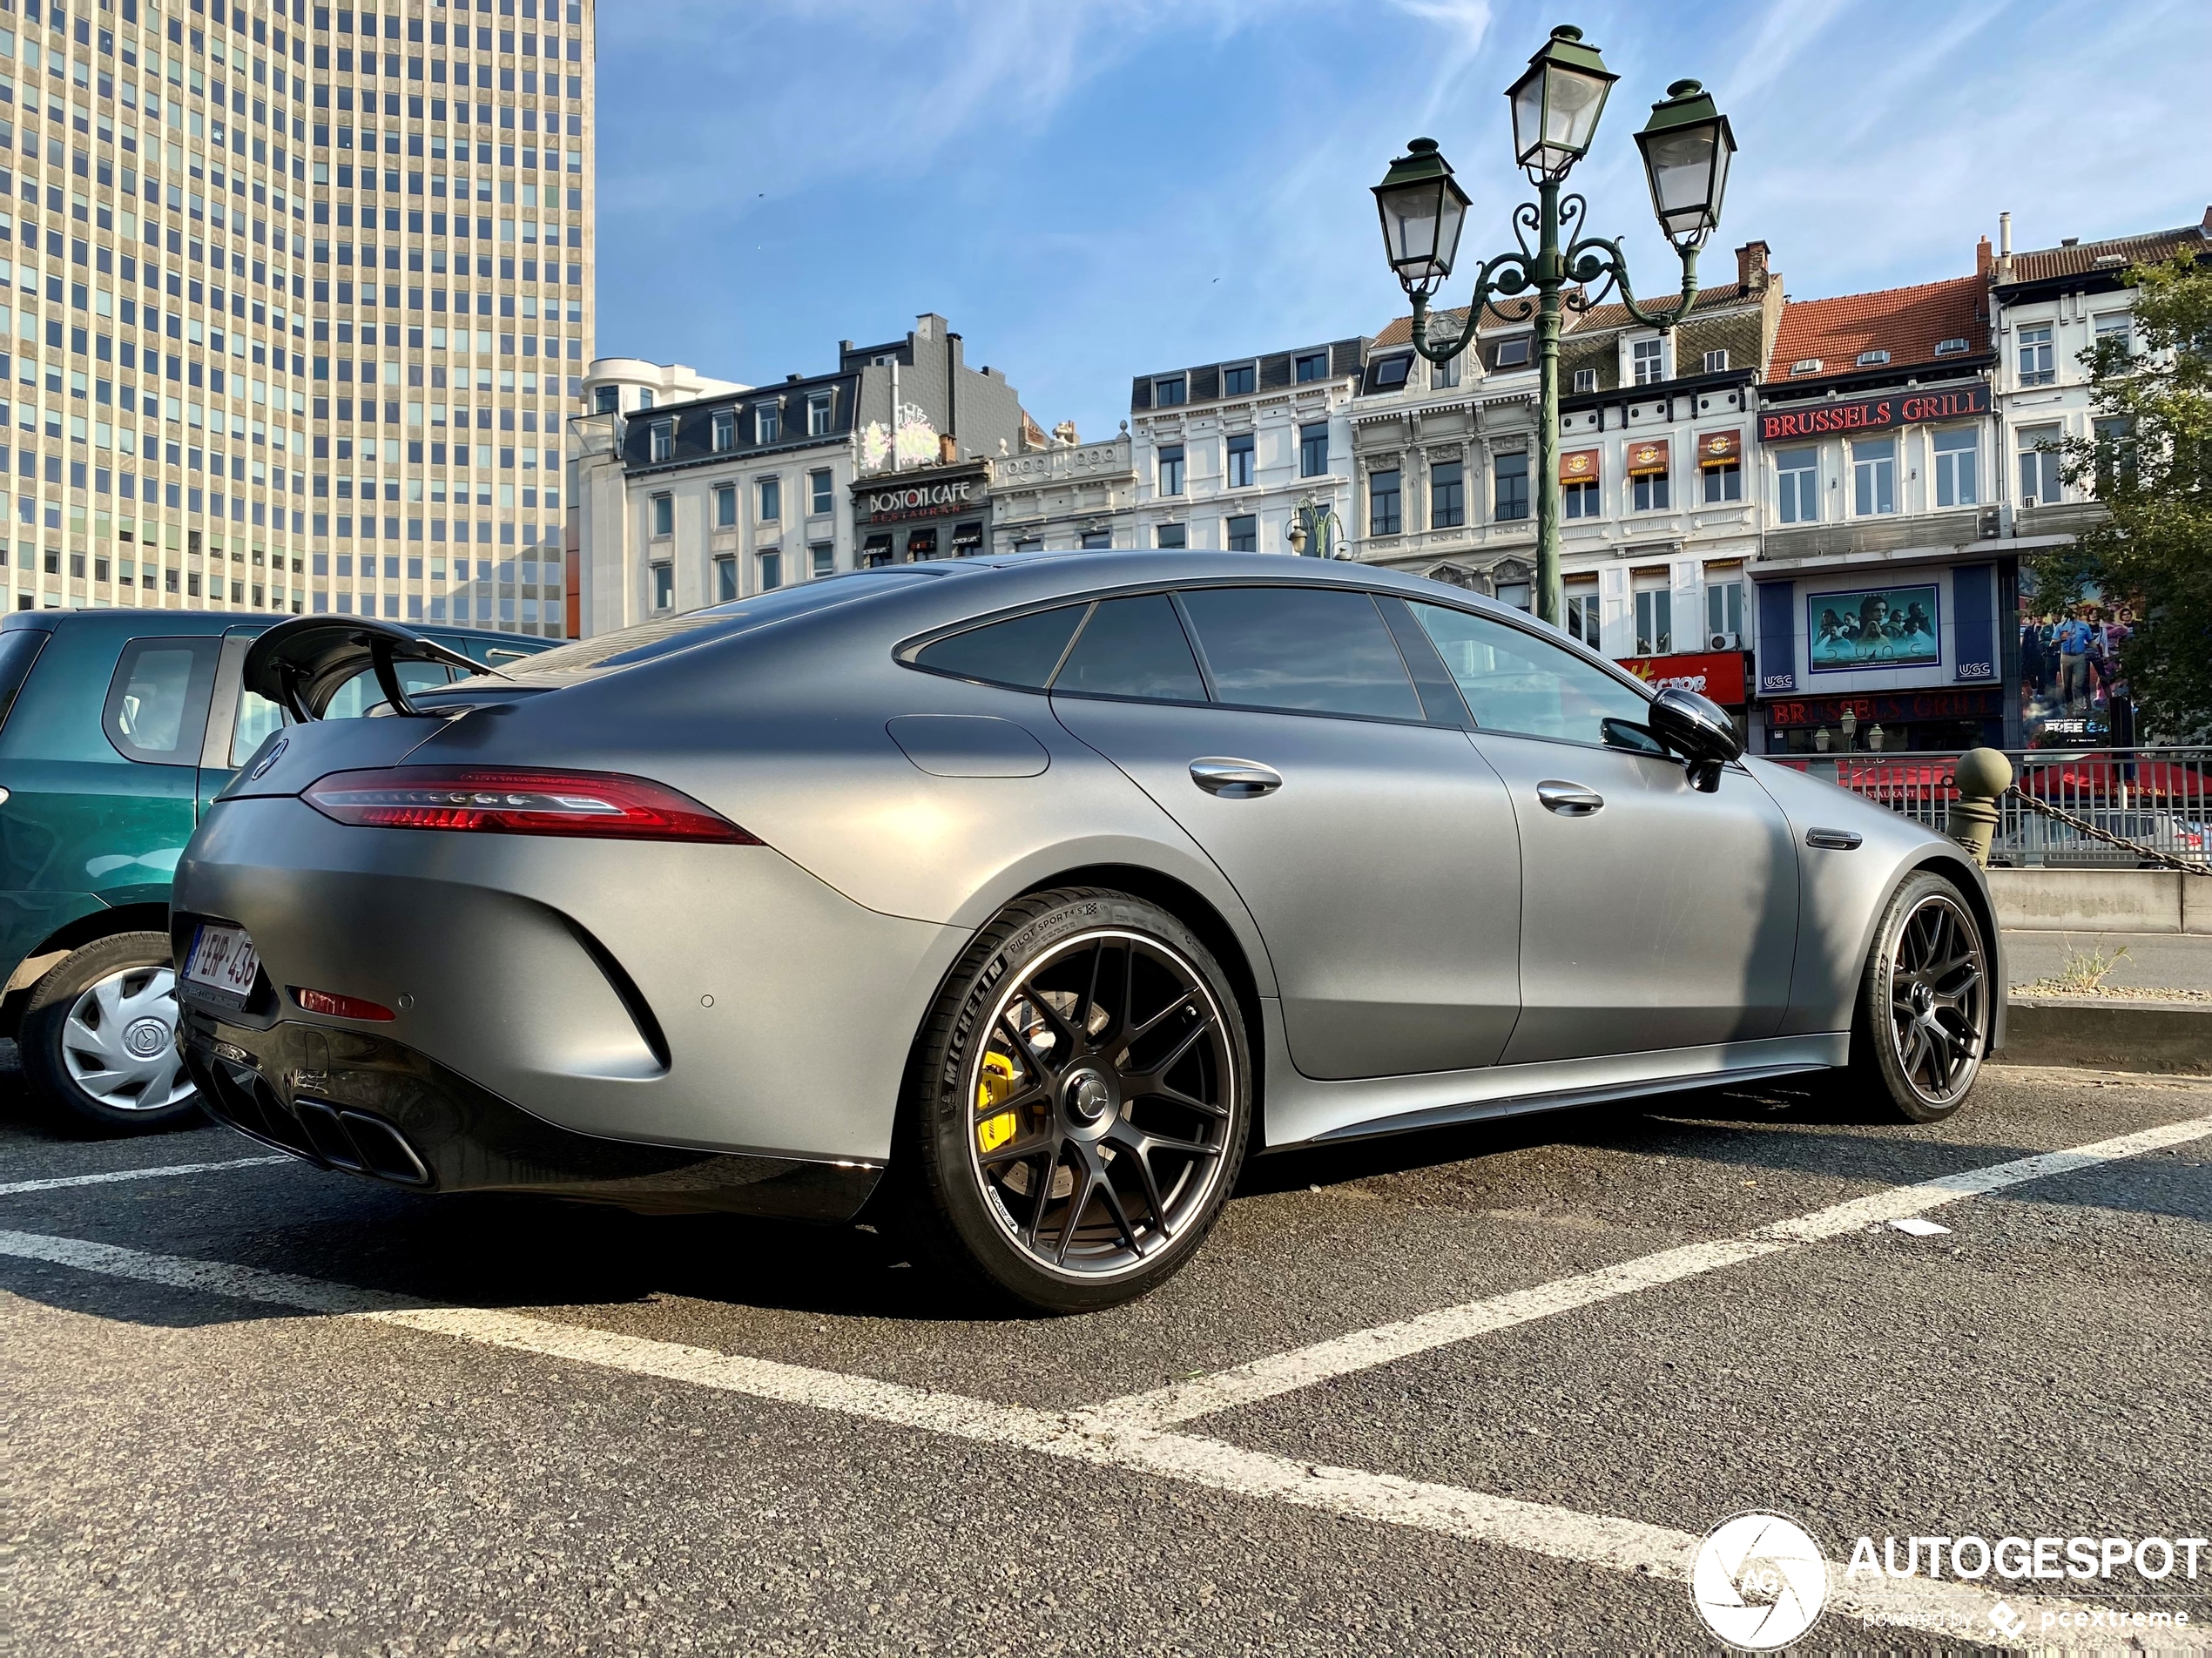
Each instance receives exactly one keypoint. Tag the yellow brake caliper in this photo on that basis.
(996, 1083)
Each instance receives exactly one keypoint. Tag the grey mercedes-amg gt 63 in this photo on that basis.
(1016, 899)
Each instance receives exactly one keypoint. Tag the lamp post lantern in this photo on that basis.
(1556, 104)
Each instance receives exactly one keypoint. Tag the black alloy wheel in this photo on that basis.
(1926, 1005)
(1085, 1087)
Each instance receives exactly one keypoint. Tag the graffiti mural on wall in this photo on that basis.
(917, 441)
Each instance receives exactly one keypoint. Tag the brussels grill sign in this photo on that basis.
(1873, 414)
(921, 501)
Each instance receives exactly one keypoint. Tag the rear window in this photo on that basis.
(157, 703)
(19, 648)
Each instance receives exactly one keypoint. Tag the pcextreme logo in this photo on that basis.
(1759, 1581)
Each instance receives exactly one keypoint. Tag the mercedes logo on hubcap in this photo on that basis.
(1088, 1096)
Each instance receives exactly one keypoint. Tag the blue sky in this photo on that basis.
(1091, 189)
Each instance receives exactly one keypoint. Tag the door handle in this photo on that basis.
(1234, 780)
(1571, 799)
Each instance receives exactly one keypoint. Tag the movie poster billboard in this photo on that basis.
(1869, 628)
(2074, 691)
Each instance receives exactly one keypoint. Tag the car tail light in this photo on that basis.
(595, 805)
(338, 1007)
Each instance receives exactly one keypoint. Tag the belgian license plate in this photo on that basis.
(223, 958)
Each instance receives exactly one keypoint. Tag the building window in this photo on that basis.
(1724, 615)
(664, 516)
(1166, 394)
(1237, 381)
(1172, 536)
(1648, 359)
(1443, 375)
(1097, 540)
(1312, 366)
(1586, 379)
(2037, 366)
(1511, 491)
(1647, 492)
(1716, 362)
(1514, 353)
(771, 499)
(1520, 596)
(1171, 469)
(1582, 498)
(1952, 346)
(1655, 621)
(819, 500)
(825, 556)
(2118, 328)
(1957, 455)
(1873, 476)
(726, 580)
(1582, 609)
(2116, 452)
(726, 430)
(767, 423)
(772, 571)
(818, 413)
(1797, 486)
(1391, 372)
(1244, 534)
(1724, 483)
(664, 586)
(726, 506)
(1448, 496)
(606, 400)
(1873, 359)
(1240, 462)
(1313, 449)
(1383, 515)
(2038, 454)
(664, 435)
(645, 397)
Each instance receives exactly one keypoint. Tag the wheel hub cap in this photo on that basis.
(1089, 1099)
(147, 1037)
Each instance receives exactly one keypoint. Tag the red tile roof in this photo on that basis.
(1444, 323)
(1616, 315)
(1908, 323)
(2115, 255)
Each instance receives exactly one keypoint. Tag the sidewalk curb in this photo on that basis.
(2086, 1033)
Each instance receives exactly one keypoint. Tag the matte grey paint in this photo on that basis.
(1398, 874)
(969, 745)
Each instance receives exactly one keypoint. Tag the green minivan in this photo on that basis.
(117, 728)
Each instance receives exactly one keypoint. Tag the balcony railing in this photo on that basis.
(1886, 534)
(2157, 799)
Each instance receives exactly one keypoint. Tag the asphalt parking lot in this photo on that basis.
(1477, 1390)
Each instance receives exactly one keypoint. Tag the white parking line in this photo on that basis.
(1363, 1350)
(14, 1187)
(1603, 1542)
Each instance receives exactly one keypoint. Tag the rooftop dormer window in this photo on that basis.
(726, 430)
(1873, 359)
(1237, 379)
(767, 422)
(1648, 358)
(1514, 353)
(664, 440)
(1807, 365)
(1391, 372)
(1171, 391)
(1951, 348)
(1312, 366)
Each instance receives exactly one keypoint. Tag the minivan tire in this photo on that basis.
(98, 1036)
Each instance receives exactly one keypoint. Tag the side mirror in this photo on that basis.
(1699, 731)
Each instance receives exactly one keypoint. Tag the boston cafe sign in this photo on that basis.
(1871, 414)
(921, 501)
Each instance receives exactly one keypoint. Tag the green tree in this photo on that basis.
(2150, 462)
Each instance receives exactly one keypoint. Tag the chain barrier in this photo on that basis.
(2049, 810)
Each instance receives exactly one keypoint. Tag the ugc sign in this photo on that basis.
(1873, 414)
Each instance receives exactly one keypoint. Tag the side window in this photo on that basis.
(1021, 650)
(1301, 648)
(1514, 682)
(157, 703)
(1133, 647)
(19, 648)
(257, 717)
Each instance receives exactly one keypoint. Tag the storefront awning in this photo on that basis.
(1719, 449)
(966, 537)
(1647, 456)
(1578, 466)
(922, 543)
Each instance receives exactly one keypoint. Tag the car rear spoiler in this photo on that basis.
(300, 663)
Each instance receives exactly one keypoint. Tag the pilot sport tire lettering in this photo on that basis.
(99, 1037)
(1080, 1100)
(1925, 1003)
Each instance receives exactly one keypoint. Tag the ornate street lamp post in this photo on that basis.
(1556, 104)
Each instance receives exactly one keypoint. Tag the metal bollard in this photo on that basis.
(1982, 776)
